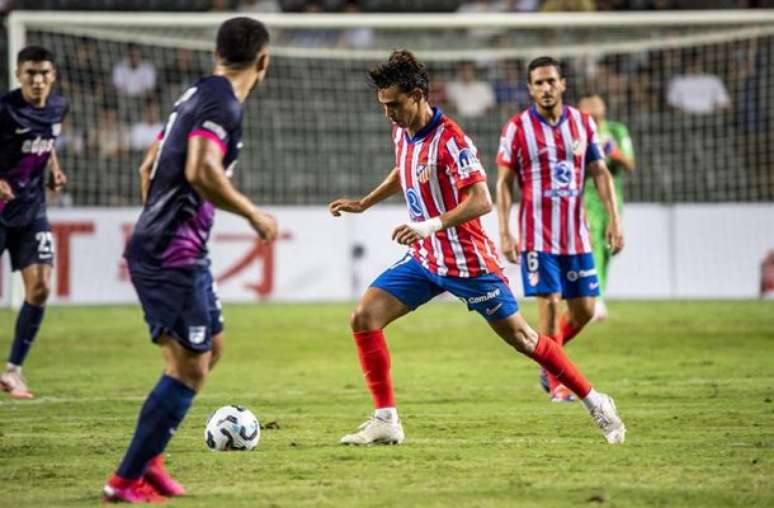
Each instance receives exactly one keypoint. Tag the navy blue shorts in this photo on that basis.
(574, 276)
(179, 302)
(413, 284)
(31, 244)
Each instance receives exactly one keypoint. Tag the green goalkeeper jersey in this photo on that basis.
(611, 135)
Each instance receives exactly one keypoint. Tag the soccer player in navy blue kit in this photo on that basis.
(185, 176)
(30, 121)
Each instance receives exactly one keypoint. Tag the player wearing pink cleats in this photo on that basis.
(548, 148)
(183, 180)
(30, 120)
(137, 491)
(157, 476)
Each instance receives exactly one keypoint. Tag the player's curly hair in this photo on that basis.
(402, 69)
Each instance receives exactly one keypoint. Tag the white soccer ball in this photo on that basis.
(232, 428)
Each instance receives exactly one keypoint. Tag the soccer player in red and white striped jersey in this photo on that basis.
(547, 149)
(438, 172)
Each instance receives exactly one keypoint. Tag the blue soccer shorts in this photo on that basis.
(574, 275)
(31, 244)
(413, 284)
(179, 302)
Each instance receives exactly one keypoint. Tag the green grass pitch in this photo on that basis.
(694, 382)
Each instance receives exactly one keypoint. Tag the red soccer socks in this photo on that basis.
(375, 362)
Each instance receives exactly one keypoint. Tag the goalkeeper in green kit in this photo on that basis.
(619, 157)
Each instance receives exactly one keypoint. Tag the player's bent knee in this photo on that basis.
(363, 320)
(38, 293)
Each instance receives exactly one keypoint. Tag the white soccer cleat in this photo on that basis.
(600, 310)
(376, 431)
(13, 382)
(606, 417)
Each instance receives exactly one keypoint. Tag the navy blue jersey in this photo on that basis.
(27, 137)
(174, 226)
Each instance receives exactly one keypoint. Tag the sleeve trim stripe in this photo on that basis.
(212, 137)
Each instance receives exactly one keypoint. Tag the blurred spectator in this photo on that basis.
(143, 133)
(469, 97)
(224, 5)
(111, 138)
(72, 139)
(132, 76)
(522, 5)
(696, 91)
(356, 38)
(313, 37)
(479, 6)
(568, 5)
(258, 6)
(511, 92)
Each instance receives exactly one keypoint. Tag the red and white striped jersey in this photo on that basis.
(550, 162)
(434, 166)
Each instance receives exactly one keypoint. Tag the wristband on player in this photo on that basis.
(426, 228)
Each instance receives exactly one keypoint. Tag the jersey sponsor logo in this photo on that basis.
(415, 207)
(23, 130)
(466, 160)
(484, 298)
(562, 173)
(561, 193)
(593, 285)
(215, 129)
(572, 275)
(197, 334)
(38, 146)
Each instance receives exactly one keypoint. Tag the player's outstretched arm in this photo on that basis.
(604, 184)
(476, 202)
(146, 167)
(57, 179)
(509, 243)
(388, 187)
(204, 171)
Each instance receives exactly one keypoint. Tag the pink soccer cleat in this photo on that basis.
(13, 382)
(121, 490)
(157, 476)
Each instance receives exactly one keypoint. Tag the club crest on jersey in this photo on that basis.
(577, 147)
(415, 207)
(534, 278)
(424, 172)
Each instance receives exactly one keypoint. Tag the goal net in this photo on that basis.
(695, 91)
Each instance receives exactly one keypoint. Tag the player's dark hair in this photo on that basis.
(402, 69)
(34, 54)
(543, 61)
(240, 40)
